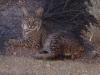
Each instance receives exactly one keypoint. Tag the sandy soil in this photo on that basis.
(10, 65)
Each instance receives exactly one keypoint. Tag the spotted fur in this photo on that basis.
(33, 38)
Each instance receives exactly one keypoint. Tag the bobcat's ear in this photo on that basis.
(39, 12)
(23, 7)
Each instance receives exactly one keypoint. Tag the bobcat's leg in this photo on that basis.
(16, 43)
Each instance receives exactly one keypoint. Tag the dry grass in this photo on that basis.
(10, 65)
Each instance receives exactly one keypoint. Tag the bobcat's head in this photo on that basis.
(32, 23)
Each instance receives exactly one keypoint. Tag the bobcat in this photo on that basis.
(33, 33)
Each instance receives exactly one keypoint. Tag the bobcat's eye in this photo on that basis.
(32, 26)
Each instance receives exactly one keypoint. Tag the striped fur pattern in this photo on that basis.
(61, 44)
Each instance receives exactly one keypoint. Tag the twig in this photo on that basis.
(91, 36)
(50, 6)
(66, 3)
(63, 12)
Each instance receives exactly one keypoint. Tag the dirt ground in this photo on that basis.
(10, 65)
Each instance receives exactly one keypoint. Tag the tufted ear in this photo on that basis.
(39, 12)
(23, 7)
